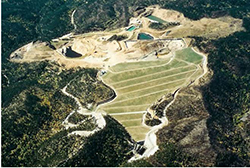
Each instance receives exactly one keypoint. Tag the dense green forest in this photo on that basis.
(33, 105)
(33, 110)
(96, 91)
(227, 98)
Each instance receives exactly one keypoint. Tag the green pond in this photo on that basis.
(144, 36)
(131, 28)
(156, 19)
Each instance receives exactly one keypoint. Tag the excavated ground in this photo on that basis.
(132, 67)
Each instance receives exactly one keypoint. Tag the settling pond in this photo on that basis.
(154, 18)
(131, 28)
(144, 36)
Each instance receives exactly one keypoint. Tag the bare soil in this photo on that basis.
(98, 52)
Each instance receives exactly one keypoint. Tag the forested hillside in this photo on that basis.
(33, 110)
(227, 98)
(33, 105)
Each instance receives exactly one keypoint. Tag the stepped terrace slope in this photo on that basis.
(140, 84)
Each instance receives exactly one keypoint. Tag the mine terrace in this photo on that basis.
(145, 63)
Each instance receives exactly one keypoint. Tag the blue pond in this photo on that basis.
(131, 28)
(144, 36)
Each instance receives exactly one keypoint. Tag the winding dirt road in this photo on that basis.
(100, 121)
(150, 140)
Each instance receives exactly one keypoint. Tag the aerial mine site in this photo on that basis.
(148, 79)
(142, 65)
